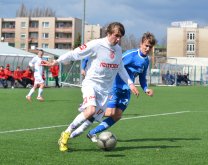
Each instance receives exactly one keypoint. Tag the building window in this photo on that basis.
(23, 36)
(191, 36)
(190, 47)
(45, 24)
(34, 24)
(22, 46)
(45, 35)
(44, 45)
(23, 24)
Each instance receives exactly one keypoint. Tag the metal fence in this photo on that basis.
(173, 74)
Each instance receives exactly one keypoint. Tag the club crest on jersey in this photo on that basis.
(112, 55)
(82, 47)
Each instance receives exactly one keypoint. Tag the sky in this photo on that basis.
(138, 16)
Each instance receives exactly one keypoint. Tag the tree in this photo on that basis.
(36, 12)
(129, 42)
(78, 41)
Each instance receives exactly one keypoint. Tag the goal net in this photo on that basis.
(70, 74)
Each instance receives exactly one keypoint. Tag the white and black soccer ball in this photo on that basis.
(106, 141)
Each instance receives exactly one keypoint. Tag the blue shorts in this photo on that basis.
(119, 99)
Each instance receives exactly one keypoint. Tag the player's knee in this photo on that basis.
(117, 116)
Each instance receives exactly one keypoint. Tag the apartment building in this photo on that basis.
(92, 32)
(187, 39)
(28, 33)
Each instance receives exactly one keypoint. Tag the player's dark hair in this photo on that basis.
(111, 28)
(150, 37)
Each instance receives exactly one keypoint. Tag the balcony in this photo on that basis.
(8, 30)
(63, 40)
(64, 30)
(9, 40)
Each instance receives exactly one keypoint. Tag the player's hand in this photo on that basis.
(134, 90)
(149, 92)
(83, 73)
(44, 63)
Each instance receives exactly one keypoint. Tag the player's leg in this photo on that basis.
(32, 90)
(40, 91)
(81, 118)
(39, 80)
(116, 105)
(115, 115)
(81, 128)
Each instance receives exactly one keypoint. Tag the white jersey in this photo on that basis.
(36, 63)
(104, 63)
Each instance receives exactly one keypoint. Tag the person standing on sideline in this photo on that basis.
(55, 73)
(37, 62)
(136, 62)
(104, 63)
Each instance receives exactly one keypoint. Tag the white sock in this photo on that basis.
(32, 90)
(80, 129)
(76, 122)
(40, 90)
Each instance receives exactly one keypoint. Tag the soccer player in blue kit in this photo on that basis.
(136, 62)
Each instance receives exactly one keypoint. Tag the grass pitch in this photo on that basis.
(169, 128)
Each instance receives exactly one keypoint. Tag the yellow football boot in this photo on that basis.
(62, 142)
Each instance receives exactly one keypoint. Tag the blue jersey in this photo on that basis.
(136, 64)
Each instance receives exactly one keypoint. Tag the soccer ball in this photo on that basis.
(106, 141)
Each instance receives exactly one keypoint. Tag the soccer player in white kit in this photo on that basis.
(37, 63)
(104, 63)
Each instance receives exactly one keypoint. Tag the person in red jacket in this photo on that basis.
(55, 72)
(3, 77)
(18, 76)
(27, 77)
(9, 75)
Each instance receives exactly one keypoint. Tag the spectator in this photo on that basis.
(27, 77)
(55, 72)
(9, 75)
(3, 77)
(18, 77)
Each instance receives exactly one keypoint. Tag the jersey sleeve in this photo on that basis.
(79, 53)
(124, 75)
(143, 80)
(84, 63)
(32, 62)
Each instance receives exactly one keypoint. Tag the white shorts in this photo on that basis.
(38, 79)
(96, 98)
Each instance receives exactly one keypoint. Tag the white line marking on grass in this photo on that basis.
(32, 129)
(57, 126)
(162, 114)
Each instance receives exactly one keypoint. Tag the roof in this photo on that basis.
(6, 50)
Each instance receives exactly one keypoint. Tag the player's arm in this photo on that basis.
(83, 67)
(143, 83)
(32, 62)
(76, 54)
(125, 77)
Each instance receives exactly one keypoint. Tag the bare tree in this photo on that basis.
(129, 42)
(36, 12)
(22, 11)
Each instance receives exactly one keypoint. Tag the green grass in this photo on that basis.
(145, 138)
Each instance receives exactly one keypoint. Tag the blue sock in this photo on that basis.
(102, 126)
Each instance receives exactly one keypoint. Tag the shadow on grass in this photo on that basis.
(145, 147)
(158, 147)
(135, 114)
(158, 139)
